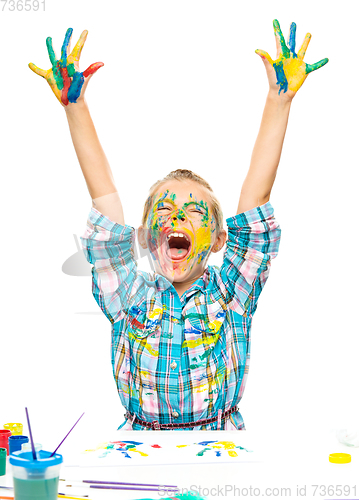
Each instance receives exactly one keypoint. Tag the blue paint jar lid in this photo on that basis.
(19, 439)
(26, 460)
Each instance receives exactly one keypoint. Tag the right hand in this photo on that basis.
(64, 77)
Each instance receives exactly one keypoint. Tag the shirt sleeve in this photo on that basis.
(253, 241)
(110, 248)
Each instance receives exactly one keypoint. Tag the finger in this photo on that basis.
(91, 70)
(66, 85)
(281, 45)
(304, 46)
(291, 37)
(74, 57)
(265, 56)
(65, 47)
(51, 51)
(38, 71)
(313, 67)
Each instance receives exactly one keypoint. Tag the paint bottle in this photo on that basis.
(4, 439)
(16, 442)
(349, 437)
(3, 454)
(35, 478)
(14, 428)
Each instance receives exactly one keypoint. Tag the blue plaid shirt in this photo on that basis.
(181, 359)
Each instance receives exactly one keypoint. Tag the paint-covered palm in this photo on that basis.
(288, 72)
(64, 77)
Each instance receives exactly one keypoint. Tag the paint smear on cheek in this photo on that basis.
(203, 243)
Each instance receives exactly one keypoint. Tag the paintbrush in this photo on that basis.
(63, 495)
(53, 453)
(32, 441)
(112, 487)
(60, 495)
(119, 484)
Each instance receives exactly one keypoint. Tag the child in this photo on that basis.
(181, 335)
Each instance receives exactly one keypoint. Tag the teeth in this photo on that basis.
(177, 235)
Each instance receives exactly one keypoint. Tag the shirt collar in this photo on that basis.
(200, 284)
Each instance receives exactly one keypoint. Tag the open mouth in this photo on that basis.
(179, 245)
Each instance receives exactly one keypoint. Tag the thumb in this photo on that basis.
(266, 58)
(91, 70)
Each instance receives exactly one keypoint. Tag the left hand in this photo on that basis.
(288, 71)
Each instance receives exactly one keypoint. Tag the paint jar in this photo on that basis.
(27, 447)
(4, 439)
(15, 429)
(349, 437)
(35, 479)
(3, 454)
(16, 442)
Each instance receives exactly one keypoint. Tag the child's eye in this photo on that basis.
(163, 208)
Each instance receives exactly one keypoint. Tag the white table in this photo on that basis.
(296, 461)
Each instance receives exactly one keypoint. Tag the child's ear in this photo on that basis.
(220, 241)
(141, 236)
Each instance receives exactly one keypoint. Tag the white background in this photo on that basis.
(181, 88)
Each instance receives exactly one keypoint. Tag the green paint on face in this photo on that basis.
(202, 207)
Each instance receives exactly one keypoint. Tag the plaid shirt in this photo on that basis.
(181, 359)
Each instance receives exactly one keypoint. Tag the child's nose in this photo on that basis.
(180, 215)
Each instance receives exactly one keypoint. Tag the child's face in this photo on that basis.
(181, 230)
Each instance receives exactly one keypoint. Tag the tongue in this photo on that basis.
(177, 253)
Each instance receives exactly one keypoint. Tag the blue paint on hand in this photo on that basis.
(63, 60)
(281, 78)
(76, 86)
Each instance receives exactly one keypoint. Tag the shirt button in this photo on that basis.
(173, 365)
(175, 414)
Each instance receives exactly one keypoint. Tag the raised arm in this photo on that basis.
(69, 85)
(285, 76)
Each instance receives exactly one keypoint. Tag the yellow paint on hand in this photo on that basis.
(295, 72)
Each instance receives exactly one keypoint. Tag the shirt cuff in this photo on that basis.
(256, 214)
(102, 221)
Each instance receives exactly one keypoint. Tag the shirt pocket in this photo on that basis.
(143, 321)
(202, 326)
(203, 318)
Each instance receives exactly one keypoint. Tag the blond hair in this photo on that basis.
(186, 175)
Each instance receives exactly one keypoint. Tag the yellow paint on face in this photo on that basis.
(193, 218)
